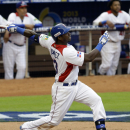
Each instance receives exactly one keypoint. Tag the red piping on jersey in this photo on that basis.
(69, 68)
(18, 14)
(59, 47)
(63, 76)
(109, 11)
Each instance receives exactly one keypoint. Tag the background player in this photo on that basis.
(67, 88)
(3, 21)
(14, 45)
(111, 52)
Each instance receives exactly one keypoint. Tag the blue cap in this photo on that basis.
(21, 4)
(58, 30)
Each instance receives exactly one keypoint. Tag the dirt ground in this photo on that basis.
(42, 86)
(71, 126)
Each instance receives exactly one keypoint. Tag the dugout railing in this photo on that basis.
(88, 36)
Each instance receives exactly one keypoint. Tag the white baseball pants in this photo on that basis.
(14, 54)
(62, 97)
(110, 54)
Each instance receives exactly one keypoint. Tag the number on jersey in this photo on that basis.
(55, 66)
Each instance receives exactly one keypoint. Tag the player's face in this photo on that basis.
(66, 37)
(116, 6)
(22, 11)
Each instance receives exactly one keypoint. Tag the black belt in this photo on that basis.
(67, 84)
(15, 43)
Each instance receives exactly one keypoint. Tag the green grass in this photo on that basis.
(112, 102)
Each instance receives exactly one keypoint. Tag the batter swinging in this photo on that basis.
(67, 88)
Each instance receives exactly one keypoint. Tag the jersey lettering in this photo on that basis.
(54, 53)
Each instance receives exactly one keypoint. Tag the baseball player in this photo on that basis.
(111, 52)
(67, 88)
(14, 47)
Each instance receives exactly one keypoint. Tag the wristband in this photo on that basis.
(104, 22)
(20, 25)
(38, 25)
(20, 30)
(99, 47)
(35, 38)
(121, 26)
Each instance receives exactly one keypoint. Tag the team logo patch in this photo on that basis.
(23, 3)
(36, 19)
(45, 37)
(78, 54)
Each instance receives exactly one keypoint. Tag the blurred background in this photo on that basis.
(71, 13)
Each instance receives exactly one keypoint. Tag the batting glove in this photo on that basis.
(104, 38)
(102, 41)
(12, 28)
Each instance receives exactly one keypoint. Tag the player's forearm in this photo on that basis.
(94, 53)
(100, 24)
(29, 26)
(29, 33)
(6, 36)
(32, 35)
(91, 56)
(25, 32)
(97, 23)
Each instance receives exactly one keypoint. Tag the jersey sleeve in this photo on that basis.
(34, 19)
(127, 17)
(3, 21)
(100, 18)
(73, 56)
(45, 40)
(11, 18)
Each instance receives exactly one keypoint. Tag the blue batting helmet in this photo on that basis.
(58, 30)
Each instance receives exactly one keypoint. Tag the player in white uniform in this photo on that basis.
(67, 88)
(14, 48)
(111, 52)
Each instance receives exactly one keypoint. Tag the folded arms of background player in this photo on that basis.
(119, 27)
(102, 20)
(27, 26)
(35, 37)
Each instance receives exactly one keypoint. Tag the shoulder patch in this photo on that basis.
(36, 19)
(44, 37)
